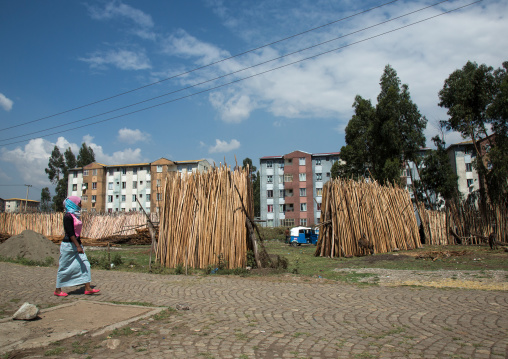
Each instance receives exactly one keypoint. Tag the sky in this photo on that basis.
(221, 80)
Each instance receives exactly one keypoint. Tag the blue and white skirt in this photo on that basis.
(73, 267)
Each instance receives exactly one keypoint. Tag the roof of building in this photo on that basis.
(21, 199)
(191, 161)
(312, 154)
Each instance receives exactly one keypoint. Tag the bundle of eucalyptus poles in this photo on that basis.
(47, 224)
(203, 220)
(350, 210)
(435, 226)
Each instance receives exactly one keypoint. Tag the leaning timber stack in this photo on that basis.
(350, 210)
(434, 226)
(99, 226)
(203, 219)
(47, 224)
(468, 224)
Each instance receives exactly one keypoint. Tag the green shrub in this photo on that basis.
(179, 268)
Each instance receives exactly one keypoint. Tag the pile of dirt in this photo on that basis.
(30, 245)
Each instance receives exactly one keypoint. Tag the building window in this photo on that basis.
(124, 170)
(319, 191)
(124, 185)
(303, 222)
(189, 168)
(269, 193)
(94, 185)
(133, 198)
(270, 208)
(281, 193)
(290, 207)
(110, 199)
(111, 172)
(319, 176)
(159, 169)
(319, 206)
(327, 174)
(303, 177)
(281, 208)
(94, 198)
(134, 184)
(470, 185)
(269, 222)
(74, 187)
(269, 179)
(288, 162)
(94, 172)
(159, 196)
(281, 179)
(288, 178)
(123, 198)
(318, 161)
(288, 192)
(85, 186)
(301, 161)
(303, 207)
(269, 164)
(288, 222)
(85, 172)
(148, 197)
(110, 185)
(134, 170)
(469, 167)
(303, 192)
(158, 183)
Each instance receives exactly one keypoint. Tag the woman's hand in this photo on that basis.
(80, 249)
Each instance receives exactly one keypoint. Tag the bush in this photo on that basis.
(179, 268)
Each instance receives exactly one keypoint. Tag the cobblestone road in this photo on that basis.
(234, 317)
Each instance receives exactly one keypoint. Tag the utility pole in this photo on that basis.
(27, 188)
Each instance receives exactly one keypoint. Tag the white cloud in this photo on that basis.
(223, 146)
(423, 55)
(31, 160)
(132, 136)
(122, 59)
(184, 45)
(234, 109)
(116, 9)
(5, 103)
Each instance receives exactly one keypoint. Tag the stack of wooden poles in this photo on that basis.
(203, 221)
(350, 210)
(47, 224)
(435, 226)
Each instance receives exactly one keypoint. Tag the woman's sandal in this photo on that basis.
(60, 294)
(93, 291)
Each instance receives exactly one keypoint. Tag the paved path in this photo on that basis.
(234, 317)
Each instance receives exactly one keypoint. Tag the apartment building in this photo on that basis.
(122, 188)
(461, 156)
(21, 205)
(292, 187)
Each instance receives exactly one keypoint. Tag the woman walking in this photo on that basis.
(73, 267)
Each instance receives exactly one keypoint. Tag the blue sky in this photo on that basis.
(60, 55)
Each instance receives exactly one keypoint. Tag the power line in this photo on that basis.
(251, 76)
(198, 68)
(223, 76)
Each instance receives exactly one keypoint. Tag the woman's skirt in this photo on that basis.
(73, 267)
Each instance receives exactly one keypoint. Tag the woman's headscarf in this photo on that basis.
(71, 205)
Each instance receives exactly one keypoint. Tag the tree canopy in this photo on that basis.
(85, 155)
(380, 139)
(476, 97)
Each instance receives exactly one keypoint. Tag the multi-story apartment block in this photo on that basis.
(292, 187)
(122, 188)
(21, 205)
(461, 157)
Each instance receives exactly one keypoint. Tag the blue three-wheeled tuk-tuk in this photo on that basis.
(303, 235)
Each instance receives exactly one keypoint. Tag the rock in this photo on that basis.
(112, 343)
(395, 249)
(182, 307)
(26, 312)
